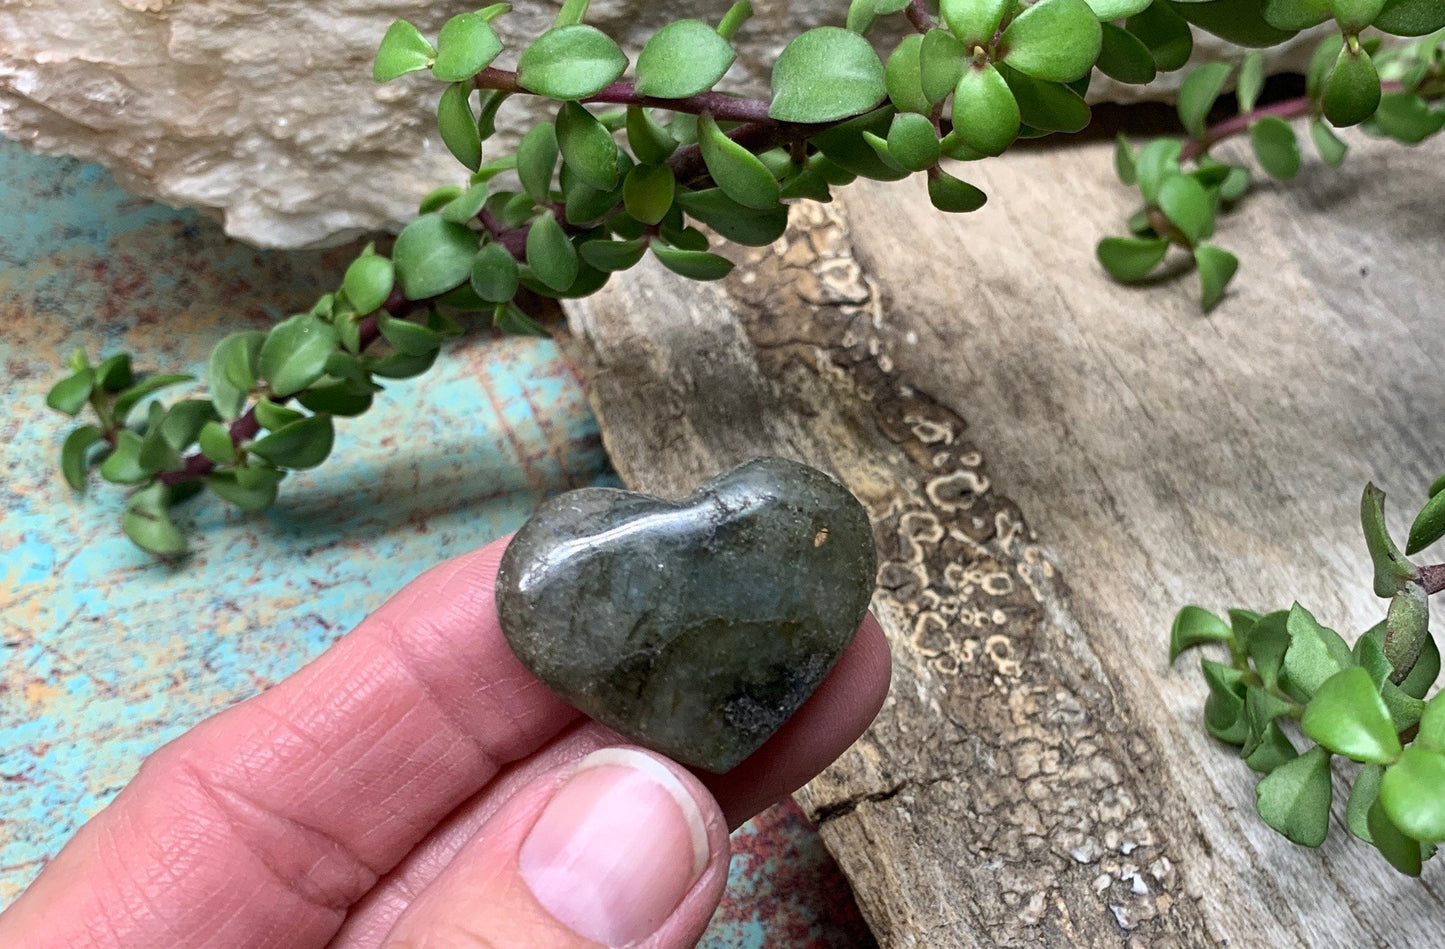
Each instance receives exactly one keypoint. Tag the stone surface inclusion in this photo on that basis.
(693, 627)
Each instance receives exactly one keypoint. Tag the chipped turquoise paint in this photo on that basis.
(105, 654)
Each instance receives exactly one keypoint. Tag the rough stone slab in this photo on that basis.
(266, 115)
(1039, 774)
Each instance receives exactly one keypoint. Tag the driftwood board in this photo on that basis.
(1054, 464)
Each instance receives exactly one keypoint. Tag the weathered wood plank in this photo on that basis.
(1039, 774)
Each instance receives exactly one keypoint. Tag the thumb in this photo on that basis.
(622, 848)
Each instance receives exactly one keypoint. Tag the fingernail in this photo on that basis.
(617, 848)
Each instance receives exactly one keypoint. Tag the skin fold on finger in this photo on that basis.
(831, 719)
(622, 847)
(265, 823)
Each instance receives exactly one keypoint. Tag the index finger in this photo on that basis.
(267, 821)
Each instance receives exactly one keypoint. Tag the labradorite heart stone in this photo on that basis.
(692, 627)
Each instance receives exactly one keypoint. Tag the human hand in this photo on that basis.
(416, 786)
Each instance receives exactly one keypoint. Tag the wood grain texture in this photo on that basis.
(1039, 775)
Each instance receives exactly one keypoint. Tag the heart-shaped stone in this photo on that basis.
(692, 627)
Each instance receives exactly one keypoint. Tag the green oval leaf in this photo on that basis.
(537, 161)
(1047, 106)
(940, 64)
(863, 13)
(231, 371)
(587, 147)
(433, 255)
(1128, 259)
(1403, 852)
(1165, 33)
(368, 282)
(1238, 21)
(1406, 117)
(147, 524)
(733, 221)
(1412, 793)
(403, 49)
(1251, 81)
(1194, 626)
(903, 76)
(1355, 15)
(1315, 654)
(1275, 146)
(216, 444)
(1124, 160)
(1295, 14)
(1406, 626)
(1123, 56)
(1187, 206)
(570, 62)
(124, 403)
(272, 416)
(824, 75)
(1363, 794)
(410, 338)
(953, 195)
(683, 58)
(1053, 40)
(692, 264)
(1352, 89)
(295, 351)
(1107, 10)
(1423, 674)
(458, 126)
(114, 373)
(985, 112)
(250, 488)
(494, 274)
(650, 141)
(912, 141)
(1197, 95)
(1271, 750)
(336, 397)
(974, 21)
(737, 171)
(70, 394)
(122, 465)
(648, 192)
(1327, 143)
(550, 255)
(1217, 267)
(301, 444)
(438, 198)
(465, 46)
(1295, 798)
(73, 454)
(1224, 710)
(1348, 717)
(1411, 17)
(611, 256)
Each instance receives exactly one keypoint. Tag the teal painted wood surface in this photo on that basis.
(108, 653)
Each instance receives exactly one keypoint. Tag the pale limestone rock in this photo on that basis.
(265, 113)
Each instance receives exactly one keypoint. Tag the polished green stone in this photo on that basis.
(692, 627)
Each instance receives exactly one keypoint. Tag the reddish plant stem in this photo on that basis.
(719, 105)
(1432, 578)
(1295, 108)
(196, 466)
(921, 17)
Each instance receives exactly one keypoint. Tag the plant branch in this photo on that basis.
(1432, 578)
(196, 465)
(920, 16)
(720, 105)
(1295, 108)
